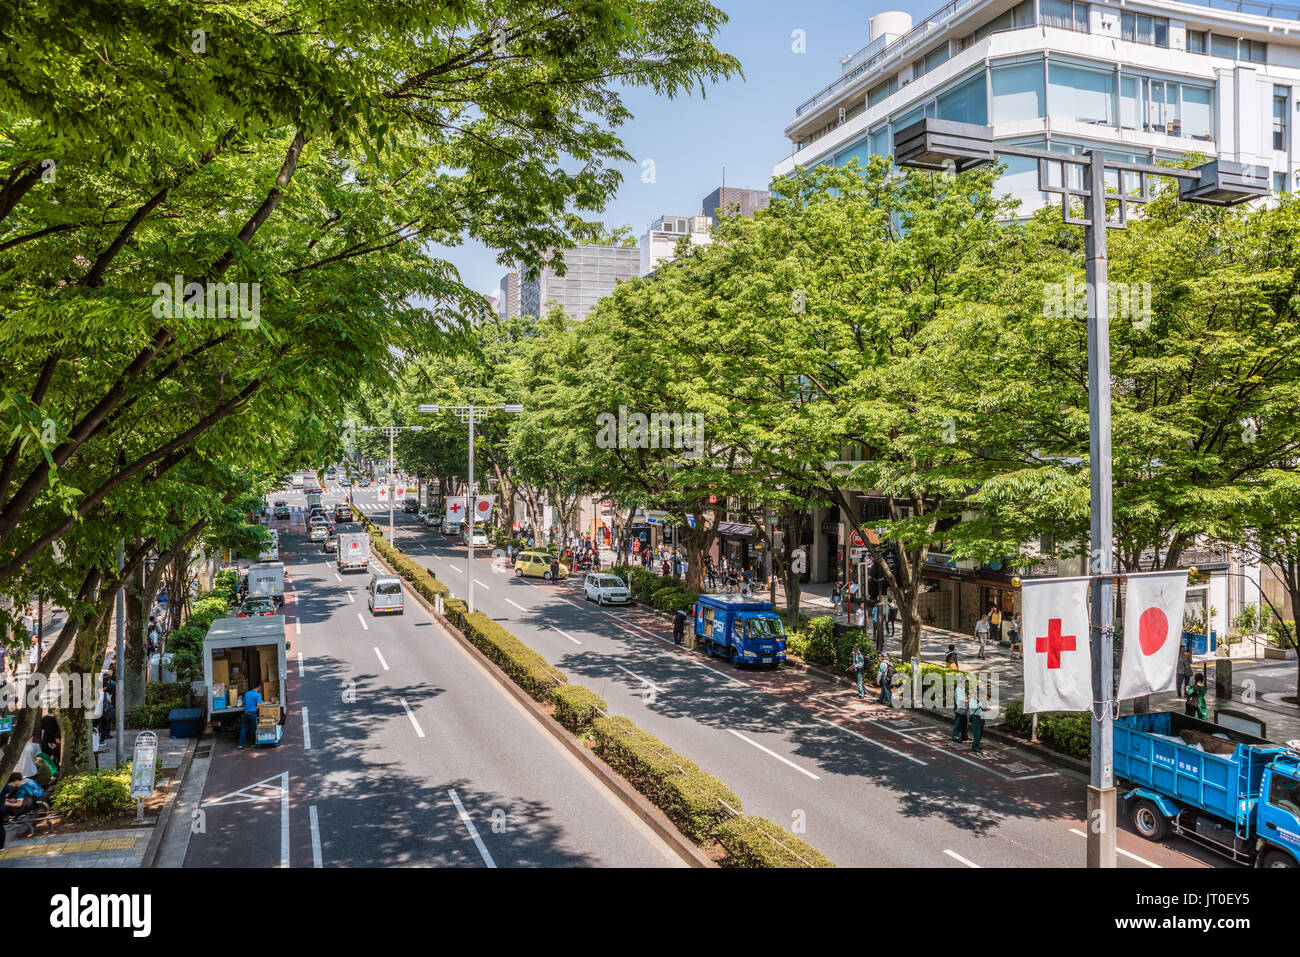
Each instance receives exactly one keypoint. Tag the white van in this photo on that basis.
(475, 534)
(450, 526)
(272, 551)
(384, 593)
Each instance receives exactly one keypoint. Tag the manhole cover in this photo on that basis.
(203, 752)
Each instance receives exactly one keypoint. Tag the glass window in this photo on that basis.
(1198, 112)
(1279, 183)
(1196, 41)
(881, 90)
(1284, 793)
(1140, 28)
(880, 142)
(930, 60)
(1020, 181)
(1281, 101)
(859, 151)
(907, 119)
(1066, 14)
(1253, 50)
(1130, 97)
(1017, 92)
(1081, 94)
(965, 103)
(1223, 46)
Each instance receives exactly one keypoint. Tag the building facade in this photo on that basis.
(509, 303)
(659, 243)
(591, 272)
(1147, 81)
(733, 201)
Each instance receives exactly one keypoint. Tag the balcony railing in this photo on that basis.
(1278, 11)
(870, 58)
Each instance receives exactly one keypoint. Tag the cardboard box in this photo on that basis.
(267, 722)
(220, 671)
(271, 691)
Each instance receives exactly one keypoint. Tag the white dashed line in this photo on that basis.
(473, 831)
(645, 681)
(315, 837)
(306, 731)
(567, 635)
(517, 605)
(775, 755)
(454, 568)
(411, 714)
(869, 741)
(364, 626)
(381, 659)
(1120, 850)
(482, 585)
(957, 857)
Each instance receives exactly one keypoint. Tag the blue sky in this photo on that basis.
(738, 124)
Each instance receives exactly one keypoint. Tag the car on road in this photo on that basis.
(431, 519)
(315, 512)
(604, 588)
(411, 505)
(364, 483)
(342, 513)
(475, 535)
(535, 564)
(345, 482)
(320, 531)
(384, 593)
(331, 543)
(253, 607)
(282, 511)
(450, 526)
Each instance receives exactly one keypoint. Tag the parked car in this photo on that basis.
(450, 526)
(345, 482)
(384, 593)
(604, 588)
(281, 510)
(411, 505)
(537, 565)
(475, 535)
(430, 519)
(253, 607)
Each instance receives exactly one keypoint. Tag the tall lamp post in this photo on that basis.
(471, 414)
(390, 431)
(954, 147)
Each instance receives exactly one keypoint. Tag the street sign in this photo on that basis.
(142, 764)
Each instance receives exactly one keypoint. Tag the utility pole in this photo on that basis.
(471, 414)
(390, 431)
(120, 730)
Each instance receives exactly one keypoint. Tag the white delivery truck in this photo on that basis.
(266, 580)
(272, 551)
(353, 551)
(240, 654)
(298, 480)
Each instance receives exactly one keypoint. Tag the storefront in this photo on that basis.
(956, 598)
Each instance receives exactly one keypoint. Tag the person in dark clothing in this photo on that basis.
(679, 626)
(12, 803)
(709, 573)
(51, 736)
(555, 570)
(109, 711)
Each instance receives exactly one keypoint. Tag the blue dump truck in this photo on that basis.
(740, 628)
(1234, 793)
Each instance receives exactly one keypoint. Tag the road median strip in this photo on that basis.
(694, 807)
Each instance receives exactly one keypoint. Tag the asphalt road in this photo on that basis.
(866, 785)
(399, 750)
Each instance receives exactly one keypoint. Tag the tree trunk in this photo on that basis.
(86, 662)
(132, 671)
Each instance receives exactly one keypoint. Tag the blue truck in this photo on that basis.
(1231, 792)
(740, 628)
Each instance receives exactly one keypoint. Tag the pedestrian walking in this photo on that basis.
(960, 711)
(856, 666)
(1014, 628)
(887, 676)
(835, 599)
(892, 621)
(1195, 706)
(950, 659)
(709, 573)
(555, 570)
(51, 737)
(677, 564)
(1184, 668)
(595, 559)
(995, 623)
(982, 633)
(976, 709)
(679, 626)
(747, 581)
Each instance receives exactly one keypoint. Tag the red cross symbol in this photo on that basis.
(455, 506)
(1054, 643)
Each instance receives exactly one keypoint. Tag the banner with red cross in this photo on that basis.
(1058, 664)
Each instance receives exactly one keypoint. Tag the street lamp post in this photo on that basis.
(471, 414)
(390, 431)
(954, 147)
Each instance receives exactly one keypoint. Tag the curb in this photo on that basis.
(165, 815)
(685, 848)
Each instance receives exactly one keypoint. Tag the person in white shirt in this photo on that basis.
(960, 711)
(976, 708)
(982, 633)
(27, 760)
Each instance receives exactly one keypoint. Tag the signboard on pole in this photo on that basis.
(143, 760)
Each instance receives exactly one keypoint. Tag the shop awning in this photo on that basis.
(729, 528)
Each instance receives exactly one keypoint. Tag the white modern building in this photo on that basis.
(1144, 80)
(659, 242)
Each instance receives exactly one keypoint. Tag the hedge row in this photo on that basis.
(1065, 732)
(757, 842)
(691, 798)
(576, 707)
(694, 800)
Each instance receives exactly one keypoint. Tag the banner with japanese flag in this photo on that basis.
(483, 507)
(1058, 664)
(456, 508)
(1153, 621)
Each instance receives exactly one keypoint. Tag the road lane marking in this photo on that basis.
(364, 626)
(517, 605)
(869, 741)
(1120, 850)
(453, 568)
(315, 837)
(473, 831)
(411, 714)
(689, 658)
(775, 755)
(350, 598)
(645, 681)
(284, 819)
(381, 659)
(570, 637)
(957, 857)
(338, 577)
(297, 627)
(300, 664)
(482, 585)
(306, 730)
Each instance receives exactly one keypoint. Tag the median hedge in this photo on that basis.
(524, 666)
(757, 842)
(576, 707)
(1065, 732)
(690, 797)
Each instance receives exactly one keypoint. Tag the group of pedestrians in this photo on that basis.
(989, 629)
(886, 676)
(968, 713)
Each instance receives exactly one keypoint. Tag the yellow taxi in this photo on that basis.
(537, 565)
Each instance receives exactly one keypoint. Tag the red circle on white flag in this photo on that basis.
(1153, 629)
(484, 505)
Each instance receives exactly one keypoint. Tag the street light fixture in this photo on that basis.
(391, 431)
(943, 144)
(471, 414)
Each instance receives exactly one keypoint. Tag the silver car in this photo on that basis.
(604, 588)
(384, 593)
